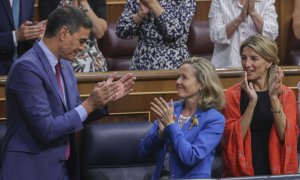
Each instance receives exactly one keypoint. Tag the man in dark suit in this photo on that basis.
(16, 30)
(43, 105)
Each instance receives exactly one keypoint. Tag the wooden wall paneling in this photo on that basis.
(162, 84)
(2, 109)
(2, 87)
(277, 5)
(151, 84)
(202, 9)
(284, 10)
(2, 98)
(114, 10)
(36, 11)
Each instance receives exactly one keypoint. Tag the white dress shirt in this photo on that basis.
(226, 51)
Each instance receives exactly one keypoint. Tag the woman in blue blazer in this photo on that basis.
(186, 132)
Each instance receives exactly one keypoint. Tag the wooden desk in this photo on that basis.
(150, 84)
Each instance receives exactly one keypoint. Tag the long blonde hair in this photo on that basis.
(212, 94)
(265, 48)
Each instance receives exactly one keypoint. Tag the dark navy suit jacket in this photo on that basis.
(7, 46)
(40, 122)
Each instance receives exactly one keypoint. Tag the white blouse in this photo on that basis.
(226, 51)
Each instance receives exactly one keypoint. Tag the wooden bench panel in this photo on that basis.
(150, 84)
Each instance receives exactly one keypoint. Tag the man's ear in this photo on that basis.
(63, 33)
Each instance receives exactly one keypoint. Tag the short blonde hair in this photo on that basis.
(212, 94)
(266, 48)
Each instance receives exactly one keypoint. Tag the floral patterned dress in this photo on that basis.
(161, 40)
(91, 59)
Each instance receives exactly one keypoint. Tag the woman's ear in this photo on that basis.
(201, 86)
(269, 64)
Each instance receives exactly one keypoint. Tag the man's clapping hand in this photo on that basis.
(109, 90)
(125, 84)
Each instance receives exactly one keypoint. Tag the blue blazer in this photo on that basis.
(192, 150)
(7, 46)
(39, 123)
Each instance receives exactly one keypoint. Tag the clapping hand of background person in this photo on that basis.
(144, 10)
(152, 5)
(78, 3)
(251, 8)
(248, 9)
(256, 18)
(29, 31)
(244, 13)
(99, 24)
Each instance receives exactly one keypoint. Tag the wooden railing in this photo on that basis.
(150, 84)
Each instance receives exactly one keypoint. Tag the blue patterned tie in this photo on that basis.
(16, 12)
